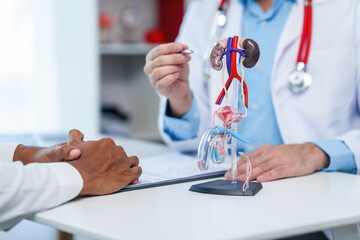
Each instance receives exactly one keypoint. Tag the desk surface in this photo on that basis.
(282, 208)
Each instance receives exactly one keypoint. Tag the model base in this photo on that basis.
(225, 187)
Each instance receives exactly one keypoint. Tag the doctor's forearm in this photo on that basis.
(184, 128)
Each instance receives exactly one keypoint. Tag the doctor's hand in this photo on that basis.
(58, 153)
(168, 72)
(270, 162)
(105, 167)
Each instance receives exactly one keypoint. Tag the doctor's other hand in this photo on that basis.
(270, 162)
(168, 72)
(105, 167)
(58, 153)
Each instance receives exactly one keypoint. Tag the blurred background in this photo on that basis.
(68, 64)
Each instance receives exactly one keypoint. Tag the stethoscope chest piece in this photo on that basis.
(299, 79)
(221, 19)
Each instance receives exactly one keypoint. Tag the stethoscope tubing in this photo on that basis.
(305, 42)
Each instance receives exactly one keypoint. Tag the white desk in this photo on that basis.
(282, 208)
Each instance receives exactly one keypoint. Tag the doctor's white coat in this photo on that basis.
(329, 109)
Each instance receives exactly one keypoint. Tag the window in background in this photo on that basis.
(48, 66)
(26, 59)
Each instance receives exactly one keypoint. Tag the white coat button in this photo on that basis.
(196, 115)
(263, 23)
(250, 148)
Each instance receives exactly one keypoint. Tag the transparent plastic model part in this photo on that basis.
(248, 170)
(230, 116)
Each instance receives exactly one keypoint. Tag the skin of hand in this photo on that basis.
(76, 137)
(271, 162)
(105, 167)
(58, 153)
(168, 72)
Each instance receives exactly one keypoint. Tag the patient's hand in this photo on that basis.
(105, 167)
(58, 153)
(270, 162)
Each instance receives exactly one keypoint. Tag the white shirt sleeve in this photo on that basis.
(27, 189)
(7, 151)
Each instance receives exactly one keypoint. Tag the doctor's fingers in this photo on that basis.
(166, 60)
(257, 161)
(241, 168)
(159, 73)
(165, 49)
(163, 85)
(276, 173)
(263, 149)
(259, 166)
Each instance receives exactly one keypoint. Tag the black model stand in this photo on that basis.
(225, 187)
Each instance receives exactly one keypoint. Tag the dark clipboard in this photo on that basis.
(174, 181)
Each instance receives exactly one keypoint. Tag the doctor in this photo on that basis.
(292, 134)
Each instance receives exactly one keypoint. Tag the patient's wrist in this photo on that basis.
(25, 154)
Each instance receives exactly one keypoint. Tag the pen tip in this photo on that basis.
(187, 51)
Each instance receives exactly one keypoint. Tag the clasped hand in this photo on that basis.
(103, 166)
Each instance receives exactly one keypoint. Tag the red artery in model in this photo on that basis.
(233, 72)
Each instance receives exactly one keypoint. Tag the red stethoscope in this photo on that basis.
(299, 79)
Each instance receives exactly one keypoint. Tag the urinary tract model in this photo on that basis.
(219, 143)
